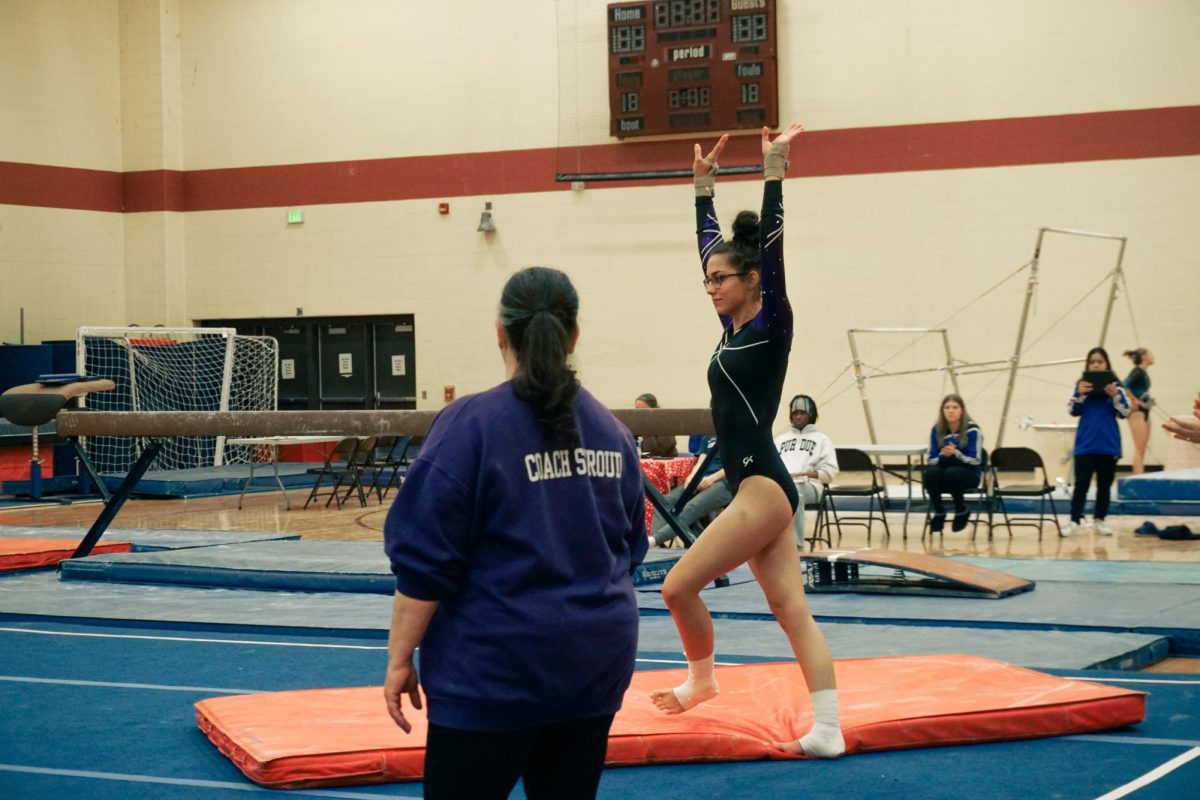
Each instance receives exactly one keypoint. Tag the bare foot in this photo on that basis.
(681, 698)
(667, 702)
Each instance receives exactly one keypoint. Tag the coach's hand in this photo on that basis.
(401, 680)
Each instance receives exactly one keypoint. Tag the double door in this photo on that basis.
(345, 363)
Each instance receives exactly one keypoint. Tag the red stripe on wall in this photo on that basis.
(59, 187)
(154, 190)
(1100, 136)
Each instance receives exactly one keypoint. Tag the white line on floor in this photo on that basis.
(238, 787)
(1151, 776)
(197, 639)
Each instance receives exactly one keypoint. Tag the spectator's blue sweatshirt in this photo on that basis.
(966, 454)
(528, 551)
(1097, 433)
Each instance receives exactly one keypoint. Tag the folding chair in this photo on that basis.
(338, 467)
(852, 461)
(981, 495)
(360, 464)
(819, 507)
(392, 463)
(1021, 459)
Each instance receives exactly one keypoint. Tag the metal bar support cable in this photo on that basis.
(969, 303)
(1067, 313)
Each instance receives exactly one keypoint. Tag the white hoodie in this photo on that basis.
(805, 450)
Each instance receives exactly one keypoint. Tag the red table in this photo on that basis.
(665, 474)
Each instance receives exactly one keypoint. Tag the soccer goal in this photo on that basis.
(176, 369)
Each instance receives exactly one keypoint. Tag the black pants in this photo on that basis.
(561, 761)
(953, 479)
(1104, 468)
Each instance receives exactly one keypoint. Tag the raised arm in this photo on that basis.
(777, 310)
(704, 173)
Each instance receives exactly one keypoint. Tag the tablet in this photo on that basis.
(1099, 380)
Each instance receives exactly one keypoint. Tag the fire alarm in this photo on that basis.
(448, 393)
(443, 208)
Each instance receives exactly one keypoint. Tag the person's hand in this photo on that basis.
(1084, 387)
(785, 138)
(1111, 390)
(705, 482)
(706, 165)
(947, 450)
(401, 680)
(1185, 428)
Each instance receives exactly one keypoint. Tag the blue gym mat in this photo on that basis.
(1175, 485)
(308, 566)
(146, 540)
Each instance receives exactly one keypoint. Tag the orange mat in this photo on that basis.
(329, 737)
(32, 553)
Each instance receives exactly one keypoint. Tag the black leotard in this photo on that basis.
(747, 370)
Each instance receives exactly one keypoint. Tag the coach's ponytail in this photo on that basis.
(539, 312)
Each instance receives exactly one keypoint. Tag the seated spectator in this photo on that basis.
(712, 494)
(808, 455)
(954, 462)
(654, 446)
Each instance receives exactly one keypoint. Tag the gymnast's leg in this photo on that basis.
(753, 519)
(777, 569)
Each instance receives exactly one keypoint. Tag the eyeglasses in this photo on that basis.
(719, 278)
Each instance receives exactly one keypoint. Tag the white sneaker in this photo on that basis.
(1102, 528)
(1070, 529)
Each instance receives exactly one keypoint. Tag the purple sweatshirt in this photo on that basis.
(528, 550)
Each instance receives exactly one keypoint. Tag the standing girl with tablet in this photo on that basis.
(1097, 439)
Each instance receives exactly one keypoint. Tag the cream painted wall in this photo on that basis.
(63, 267)
(59, 105)
(60, 88)
(295, 81)
(276, 82)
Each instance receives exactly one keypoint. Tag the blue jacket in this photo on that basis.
(528, 551)
(966, 454)
(1097, 433)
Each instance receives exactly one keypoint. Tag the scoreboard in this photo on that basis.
(676, 66)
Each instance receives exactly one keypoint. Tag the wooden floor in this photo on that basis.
(266, 512)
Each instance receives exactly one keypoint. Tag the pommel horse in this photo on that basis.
(37, 404)
(155, 426)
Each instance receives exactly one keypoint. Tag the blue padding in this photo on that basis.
(1177, 485)
(303, 566)
(148, 540)
(61, 484)
(218, 480)
(189, 575)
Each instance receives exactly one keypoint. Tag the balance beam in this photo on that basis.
(159, 425)
(162, 424)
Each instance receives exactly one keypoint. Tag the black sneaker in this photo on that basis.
(960, 521)
(936, 523)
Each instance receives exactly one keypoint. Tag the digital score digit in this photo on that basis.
(678, 66)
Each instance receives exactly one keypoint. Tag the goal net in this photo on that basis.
(176, 369)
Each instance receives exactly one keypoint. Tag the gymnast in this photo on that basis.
(512, 541)
(744, 279)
